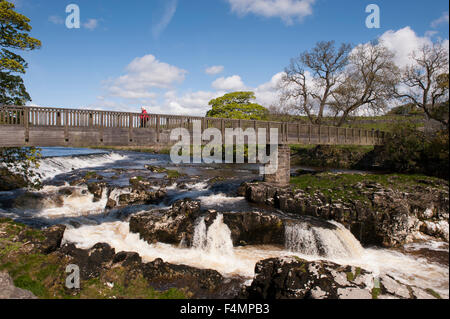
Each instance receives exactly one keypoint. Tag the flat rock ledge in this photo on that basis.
(295, 278)
(387, 217)
(9, 291)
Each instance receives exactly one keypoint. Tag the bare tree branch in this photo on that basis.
(426, 82)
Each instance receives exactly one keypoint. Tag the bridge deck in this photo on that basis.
(48, 127)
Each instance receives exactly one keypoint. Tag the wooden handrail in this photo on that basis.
(29, 117)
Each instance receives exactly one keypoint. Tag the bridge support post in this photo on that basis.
(282, 176)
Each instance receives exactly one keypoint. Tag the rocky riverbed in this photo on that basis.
(386, 211)
(140, 228)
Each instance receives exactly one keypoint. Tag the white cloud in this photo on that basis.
(191, 103)
(150, 82)
(143, 74)
(56, 19)
(131, 94)
(430, 33)
(443, 19)
(268, 94)
(215, 69)
(288, 10)
(91, 24)
(196, 103)
(232, 83)
(169, 12)
(403, 43)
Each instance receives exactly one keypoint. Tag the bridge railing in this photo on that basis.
(288, 132)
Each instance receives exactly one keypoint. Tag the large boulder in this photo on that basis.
(141, 196)
(159, 273)
(91, 261)
(295, 278)
(53, 238)
(96, 189)
(254, 228)
(168, 226)
(177, 225)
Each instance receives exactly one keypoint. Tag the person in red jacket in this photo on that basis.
(144, 117)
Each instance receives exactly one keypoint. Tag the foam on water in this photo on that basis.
(52, 205)
(221, 200)
(201, 186)
(81, 203)
(212, 246)
(217, 253)
(430, 244)
(213, 249)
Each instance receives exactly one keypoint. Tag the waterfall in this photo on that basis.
(215, 240)
(334, 241)
(200, 234)
(52, 166)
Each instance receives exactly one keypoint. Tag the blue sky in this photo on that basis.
(157, 52)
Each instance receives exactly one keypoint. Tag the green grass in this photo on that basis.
(124, 287)
(90, 175)
(340, 186)
(352, 276)
(375, 293)
(172, 174)
(433, 293)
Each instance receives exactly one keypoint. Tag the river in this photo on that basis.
(89, 221)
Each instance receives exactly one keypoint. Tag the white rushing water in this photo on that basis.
(216, 240)
(318, 241)
(48, 203)
(213, 249)
(53, 166)
(212, 246)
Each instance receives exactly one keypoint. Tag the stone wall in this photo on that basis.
(283, 174)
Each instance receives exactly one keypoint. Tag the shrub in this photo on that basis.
(409, 150)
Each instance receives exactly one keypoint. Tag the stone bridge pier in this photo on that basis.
(282, 176)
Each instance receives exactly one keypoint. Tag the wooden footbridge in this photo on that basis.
(51, 127)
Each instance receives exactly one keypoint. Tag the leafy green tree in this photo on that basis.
(237, 105)
(15, 163)
(16, 168)
(14, 35)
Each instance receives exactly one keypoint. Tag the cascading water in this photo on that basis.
(53, 166)
(212, 246)
(216, 240)
(331, 242)
(200, 235)
(52, 203)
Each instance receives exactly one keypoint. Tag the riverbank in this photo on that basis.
(37, 263)
(337, 157)
(384, 210)
(136, 220)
